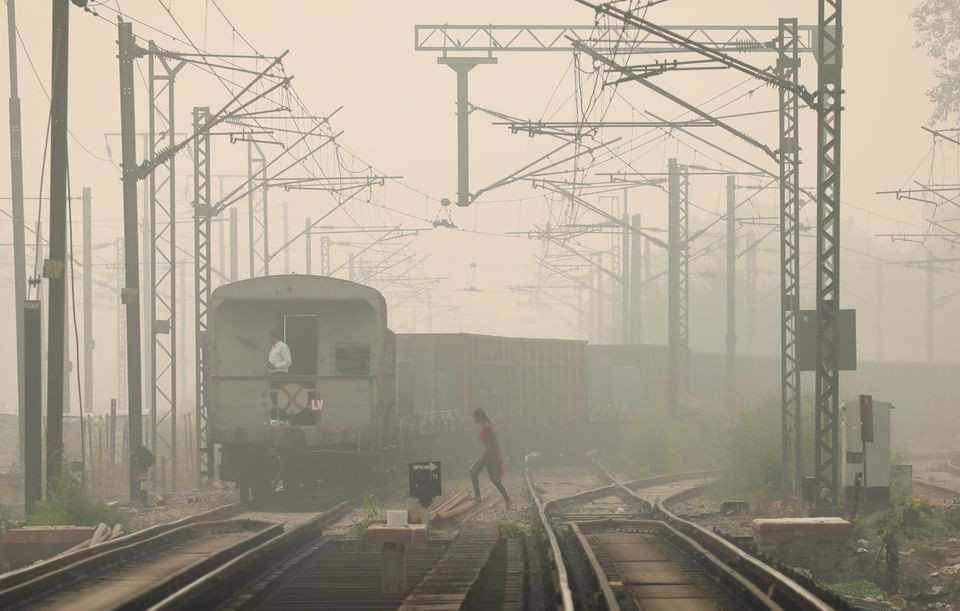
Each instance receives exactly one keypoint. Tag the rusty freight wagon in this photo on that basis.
(332, 414)
(533, 389)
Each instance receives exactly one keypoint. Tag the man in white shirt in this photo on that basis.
(279, 360)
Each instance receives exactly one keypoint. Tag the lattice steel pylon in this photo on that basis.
(324, 256)
(202, 210)
(827, 416)
(162, 319)
(675, 312)
(788, 68)
(257, 220)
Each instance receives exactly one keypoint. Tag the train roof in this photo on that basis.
(298, 286)
(452, 336)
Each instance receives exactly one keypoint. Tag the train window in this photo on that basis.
(353, 359)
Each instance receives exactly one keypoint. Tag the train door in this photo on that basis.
(300, 333)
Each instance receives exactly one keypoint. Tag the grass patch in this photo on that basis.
(511, 528)
(371, 513)
(69, 507)
(858, 589)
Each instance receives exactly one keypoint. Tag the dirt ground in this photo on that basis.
(180, 505)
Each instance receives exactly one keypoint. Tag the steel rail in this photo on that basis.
(232, 578)
(563, 581)
(14, 578)
(103, 562)
(783, 591)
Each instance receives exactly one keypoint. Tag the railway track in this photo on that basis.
(144, 569)
(655, 559)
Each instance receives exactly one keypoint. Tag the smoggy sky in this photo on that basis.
(398, 116)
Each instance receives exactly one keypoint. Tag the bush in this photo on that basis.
(70, 507)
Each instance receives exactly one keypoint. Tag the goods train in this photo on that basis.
(332, 414)
(358, 399)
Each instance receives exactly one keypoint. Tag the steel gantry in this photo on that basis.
(604, 38)
(462, 47)
(161, 323)
(827, 415)
(788, 68)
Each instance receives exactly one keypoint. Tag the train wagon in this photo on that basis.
(533, 389)
(332, 415)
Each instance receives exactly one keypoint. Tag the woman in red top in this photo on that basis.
(490, 458)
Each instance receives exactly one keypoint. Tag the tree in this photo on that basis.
(938, 25)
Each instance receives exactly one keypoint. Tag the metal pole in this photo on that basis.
(87, 301)
(145, 297)
(251, 214)
(731, 295)
(463, 136)
(234, 235)
(673, 281)
(19, 241)
(265, 187)
(306, 237)
(593, 302)
(636, 285)
(683, 367)
(131, 291)
(930, 313)
(221, 249)
(880, 312)
(829, 67)
(625, 273)
(286, 238)
(788, 68)
(601, 302)
(33, 414)
(54, 267)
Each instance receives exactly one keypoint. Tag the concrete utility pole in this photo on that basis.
(121, 331)
(731, 294)
(54, 267)
(636, 285)
(131, 291)
(19, 241)
(88, 342)
(32, 359)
